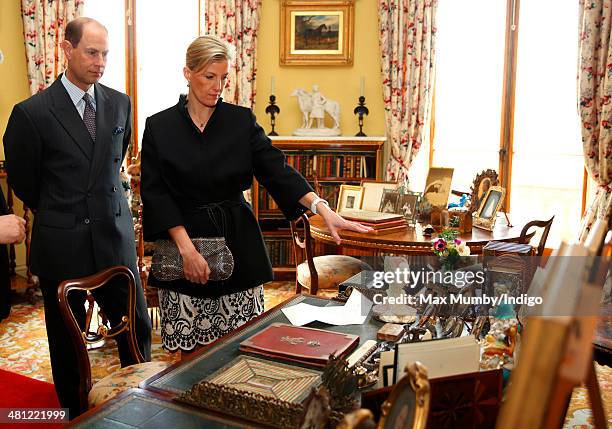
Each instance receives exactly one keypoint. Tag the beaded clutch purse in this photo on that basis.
(167, 263)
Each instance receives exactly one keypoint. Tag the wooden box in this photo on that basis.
(390, 332)
(462, 401)
(439, 219)
(460, 220)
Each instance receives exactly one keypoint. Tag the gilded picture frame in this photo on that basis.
(349, 198)
(489, 206)
(316, 32)
(482, 182)
(408, 403)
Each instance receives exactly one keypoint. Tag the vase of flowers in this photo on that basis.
(449, 249)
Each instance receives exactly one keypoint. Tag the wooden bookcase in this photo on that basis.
(327, 162)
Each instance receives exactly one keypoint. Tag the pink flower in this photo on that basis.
(439, 245)
(457, 241)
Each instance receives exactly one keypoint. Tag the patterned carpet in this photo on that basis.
(24, 347)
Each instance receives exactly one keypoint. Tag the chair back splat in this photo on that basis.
(545, 225)
(126, 325)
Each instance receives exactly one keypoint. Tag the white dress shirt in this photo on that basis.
(76, 94)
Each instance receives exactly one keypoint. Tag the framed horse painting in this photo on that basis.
(316, 32)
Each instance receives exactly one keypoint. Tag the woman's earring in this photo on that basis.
(187, 84)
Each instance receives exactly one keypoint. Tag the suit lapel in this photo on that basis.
(64, 111)
(104, 141)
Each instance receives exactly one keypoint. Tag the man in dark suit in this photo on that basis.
(64, 148)
(12, 230)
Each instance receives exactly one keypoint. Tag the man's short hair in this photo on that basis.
(74, 29)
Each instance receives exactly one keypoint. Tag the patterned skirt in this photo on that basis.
(188, 321)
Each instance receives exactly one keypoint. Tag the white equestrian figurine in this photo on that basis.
(314, 106)
(305, 105)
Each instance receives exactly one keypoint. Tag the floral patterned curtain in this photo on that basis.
(407, 44)
(44, 22)
(237, 22)
(595, 104)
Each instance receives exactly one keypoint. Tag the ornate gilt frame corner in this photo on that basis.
(316, 58)
(488, 223)
(475, 197)
(417, 373)
(417, 381)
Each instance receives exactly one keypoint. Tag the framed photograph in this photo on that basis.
(438, 186)
(482, 182)
(349, 198)
(408, 206)
(316, 32)
(408, 403)
(490, 205)
(372, 193)
(389, 201)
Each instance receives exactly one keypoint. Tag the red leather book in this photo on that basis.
(298, 344)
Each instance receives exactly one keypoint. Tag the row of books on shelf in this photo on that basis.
(329, 192)
(333, 165)
(280, 251)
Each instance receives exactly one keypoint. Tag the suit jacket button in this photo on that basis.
(86, 221)
(114, 189)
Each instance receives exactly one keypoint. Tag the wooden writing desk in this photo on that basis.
(155, 406)
(140, 409)
(181, 376)
(412, 240)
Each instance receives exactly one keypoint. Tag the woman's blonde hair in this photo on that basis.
(206, 49)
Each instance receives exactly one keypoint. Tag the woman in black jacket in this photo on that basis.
(197, 158)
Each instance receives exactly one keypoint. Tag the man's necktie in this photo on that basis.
(89, 116)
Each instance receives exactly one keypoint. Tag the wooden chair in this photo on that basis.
(407, 406)
(125, 378)
(545, 225)
(319, 272)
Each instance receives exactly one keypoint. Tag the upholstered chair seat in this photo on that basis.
(123, 379)
(319, 272)
(331, 270)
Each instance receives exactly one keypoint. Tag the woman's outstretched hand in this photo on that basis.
(336, 223)
(333, 221)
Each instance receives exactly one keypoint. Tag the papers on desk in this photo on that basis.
(443, 358)
(353, 312)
